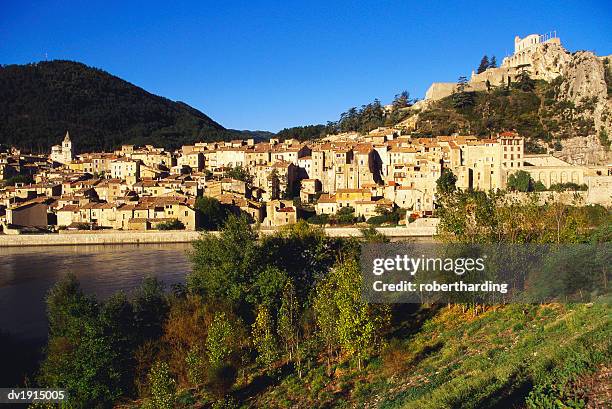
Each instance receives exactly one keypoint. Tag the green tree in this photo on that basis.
(225, 265)
(264, 339)
(212, 213)
(401, 100)
(150, 309)
(81, 356)
(462, 98)
(524, 82)
(447, 181)
(195, 365)
(240, 173)
(163, 387)
(345, 215)
(520, 181)
(371, 235)
(174, 224)
(356, 326)
(484, 64)
(116, 319)
(326, 314)
(269, 284)
(219, 340)
(288, 320)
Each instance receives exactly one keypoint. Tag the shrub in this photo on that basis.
(174, 224)
(163, 387)
(319, 219)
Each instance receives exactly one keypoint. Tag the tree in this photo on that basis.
(346, 215)
(493, 62)
(116, 320)
(219, 340)
(174, 224)
(150, 309)
(195, 365)
(225, 266)
(82, 357)
(326, 315)
(288, 319)
(446, 182)
(212, 212)
(524, 82)
(484, 64)
(462, 98)
(240, 173)
(263, 338)
(163, 387)
(356, 326)
(520, 181)
(371, 235)
(401, 100)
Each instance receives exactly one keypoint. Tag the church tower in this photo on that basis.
(67, 149)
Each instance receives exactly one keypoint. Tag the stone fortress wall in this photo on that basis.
(525, 50)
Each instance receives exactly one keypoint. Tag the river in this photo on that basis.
(27, 274)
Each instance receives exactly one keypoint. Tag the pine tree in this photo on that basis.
(484, 64)
(493, 62)
(461, 97)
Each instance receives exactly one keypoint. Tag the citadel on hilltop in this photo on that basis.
(523, 59)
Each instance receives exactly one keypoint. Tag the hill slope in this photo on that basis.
(40, 102)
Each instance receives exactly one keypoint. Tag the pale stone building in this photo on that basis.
(63, 153)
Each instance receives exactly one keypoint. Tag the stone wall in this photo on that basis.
(439, 90)
(122, 237)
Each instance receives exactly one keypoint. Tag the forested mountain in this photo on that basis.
(40, 102)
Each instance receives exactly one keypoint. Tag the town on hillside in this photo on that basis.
(382, 177)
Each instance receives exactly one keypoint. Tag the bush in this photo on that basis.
(174, 224)
(213, 213)
(571, 186)
(345, 215)
(163, 387)
(319, 219)
(25, 179)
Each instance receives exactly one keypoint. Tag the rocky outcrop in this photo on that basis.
(548, 61)
(584, 84)
(577, 114)
(583, 150)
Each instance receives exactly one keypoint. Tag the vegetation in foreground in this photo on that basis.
(279, 322)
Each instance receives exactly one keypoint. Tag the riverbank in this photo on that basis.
(152, 237)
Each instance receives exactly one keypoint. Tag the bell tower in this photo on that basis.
(67, 151)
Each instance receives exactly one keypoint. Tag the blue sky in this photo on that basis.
(274, 64)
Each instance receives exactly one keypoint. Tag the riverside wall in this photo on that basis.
(152, 237)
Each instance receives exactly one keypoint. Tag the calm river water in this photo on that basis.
(27, 273)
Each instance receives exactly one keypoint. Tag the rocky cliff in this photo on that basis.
(568, 111)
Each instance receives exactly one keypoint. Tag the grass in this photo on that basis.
(517, 354)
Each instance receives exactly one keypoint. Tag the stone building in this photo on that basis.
(63, 153)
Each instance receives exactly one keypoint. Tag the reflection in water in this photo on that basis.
(27, 273)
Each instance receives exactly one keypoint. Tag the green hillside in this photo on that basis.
(40, 102)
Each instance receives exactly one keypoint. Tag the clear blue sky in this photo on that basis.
(269, 65)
